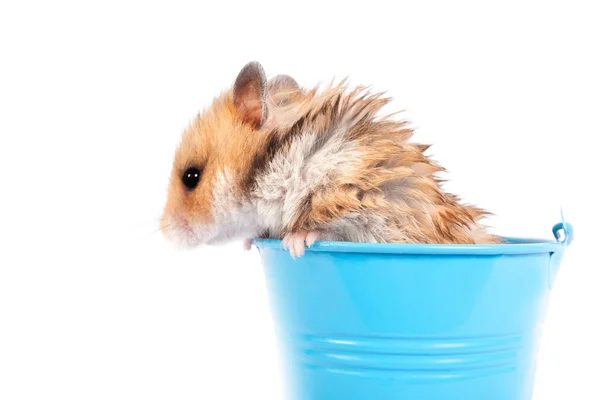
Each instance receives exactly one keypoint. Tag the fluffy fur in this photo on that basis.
(313, 164)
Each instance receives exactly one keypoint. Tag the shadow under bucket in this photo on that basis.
(411, 322)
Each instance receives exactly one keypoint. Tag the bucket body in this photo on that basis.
(410, 322)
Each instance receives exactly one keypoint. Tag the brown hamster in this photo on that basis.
(269, 158)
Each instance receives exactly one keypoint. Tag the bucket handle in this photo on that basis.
(566, 228)
(565, 239)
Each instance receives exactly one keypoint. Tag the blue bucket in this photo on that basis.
(411, 322)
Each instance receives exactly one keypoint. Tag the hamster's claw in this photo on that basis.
(296, 242)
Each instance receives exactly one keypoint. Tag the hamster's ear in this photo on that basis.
(250, 94)
(282, 82)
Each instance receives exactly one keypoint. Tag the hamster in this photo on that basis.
(271, 159)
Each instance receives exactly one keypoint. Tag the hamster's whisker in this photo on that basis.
(163, 227)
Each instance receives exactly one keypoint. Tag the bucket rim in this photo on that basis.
(513, 246)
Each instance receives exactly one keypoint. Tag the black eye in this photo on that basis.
(191, 177)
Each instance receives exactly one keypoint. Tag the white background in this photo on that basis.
(94, 304)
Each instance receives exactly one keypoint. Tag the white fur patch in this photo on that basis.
(188, 238)
(234, 215)
(295, 173)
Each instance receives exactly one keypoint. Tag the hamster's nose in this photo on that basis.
(181, 221)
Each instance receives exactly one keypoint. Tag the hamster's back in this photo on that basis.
(334, 166)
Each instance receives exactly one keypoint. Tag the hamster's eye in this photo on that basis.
(191, 177)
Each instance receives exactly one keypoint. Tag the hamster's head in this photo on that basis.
(209, 195)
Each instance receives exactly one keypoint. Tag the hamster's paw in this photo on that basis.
(247, 244)
(296, 241)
